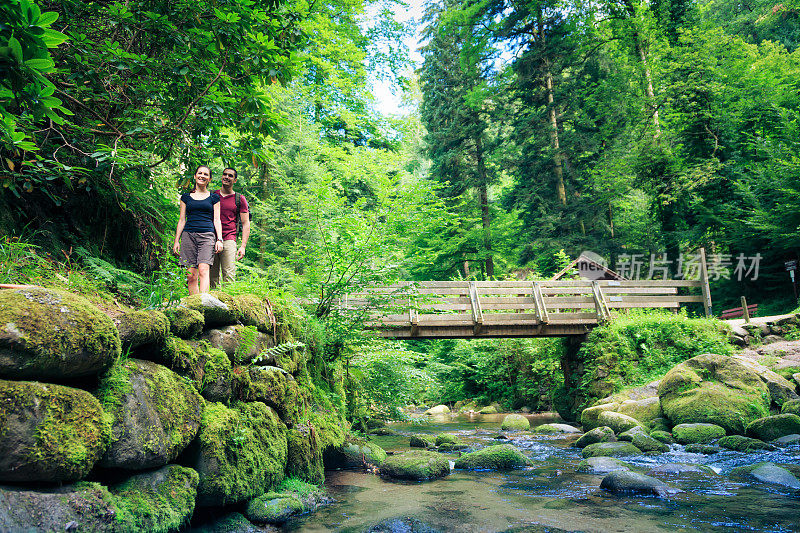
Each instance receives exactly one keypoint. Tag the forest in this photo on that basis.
(534, 131)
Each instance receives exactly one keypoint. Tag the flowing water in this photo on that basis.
(552, 496)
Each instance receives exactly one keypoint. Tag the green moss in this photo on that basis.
(422, 441)
(213, 313)
(46, 333)
(417, 465)
(610, 449)
(278, 389)
(488, 410)
(515, 422)
(639, 347)
(241, 452)
(273, 509)
(501, 457)
(447, 438)
(158, 501)
(697, 433)
(774, 427)
(217, 369)
(254, 311)
(178, 355)
(743, 444)
(304, 459)
(184, 322)
(114, 384)
(137, 328)
(49, 432)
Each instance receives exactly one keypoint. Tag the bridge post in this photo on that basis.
(570, 366)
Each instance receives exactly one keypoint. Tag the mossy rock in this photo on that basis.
(500, 457)
(88, 504)
(330, 427)
(276, 388)
(601, 434)
(716, 389)
(488, 410)
(697, 433)
(515, 422)
(705, 449)
(740, 443)
(215, 311)
(618, 422)
(241, 343)
(660, 424)
(610, 449)
(255, 311)
(556, 429)
(184, 322)
(218, 378)
(421, 441)
(49, 433)
(240, 452)
(354, 453)
(447, 438)
(417, 465)
(438, 410)
(159, 501)
(663, 436)
(50, 334)
(767, 472)
(273, 508)
(792, 407)
(646, 410)
(155, 414)
(178, 355)
(781, 390)
(646, 443)
(138, 328)
(375, 423)
(774, 427)
(629, 482)
(229, 523)
(304, 458)
(601, 465)
(591, 415)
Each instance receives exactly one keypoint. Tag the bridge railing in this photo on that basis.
(512, 308)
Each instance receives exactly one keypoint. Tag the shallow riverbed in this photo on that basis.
(551, 495)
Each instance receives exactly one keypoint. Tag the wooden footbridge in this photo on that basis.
(485, 309)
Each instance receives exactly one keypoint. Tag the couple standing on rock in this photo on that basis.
(205, 238)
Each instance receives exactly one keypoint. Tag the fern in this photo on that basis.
(276, 351)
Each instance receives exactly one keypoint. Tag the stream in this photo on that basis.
(552, 495)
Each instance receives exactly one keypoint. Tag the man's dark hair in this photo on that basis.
(235, 174)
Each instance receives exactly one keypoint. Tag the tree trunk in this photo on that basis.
(265, 195)
(558, 164)
(484, 200)
(648, 78)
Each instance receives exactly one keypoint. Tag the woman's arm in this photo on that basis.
(217, 229)
(181, 223)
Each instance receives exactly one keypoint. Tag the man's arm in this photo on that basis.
(245, 236)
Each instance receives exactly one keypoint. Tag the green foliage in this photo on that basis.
(277, 351)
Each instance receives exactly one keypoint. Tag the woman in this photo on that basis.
(199, 233)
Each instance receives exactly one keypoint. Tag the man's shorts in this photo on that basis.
(197, 248)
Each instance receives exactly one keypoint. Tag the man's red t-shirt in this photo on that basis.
(227, 214)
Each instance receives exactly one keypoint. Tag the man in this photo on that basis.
(233, 208)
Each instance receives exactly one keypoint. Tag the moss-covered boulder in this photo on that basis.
(663, 436)
(215, 312)
(273, 508)
(438, 410)
(240, 452)
(781, 390)
(218, 383)
(354, 452)
(556, 429)
(773, 427)
(601, 465)
(500, 457)
(716, 389)
(447, 438)
(421, 441)
(417, 465)
(89, 505)
(660, 424)
(601, 434)
(155, 414)
(141, 327)
(610, 449)
(184, 322)
(178, 355)
(740, 443)
(697, 433)
(618, 422)
(241, 343)
(629, 482)
(646, 443)
(488, 410)
(158, 501)
(590, 416)
(515, 422)
(255, 311)
(769, 473)
(646, 410)
(304, 457)
(49, 433)
(792, 407)
(276, 388)
(50, 334)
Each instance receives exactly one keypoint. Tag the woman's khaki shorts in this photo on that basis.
(197, 248)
